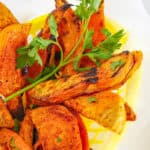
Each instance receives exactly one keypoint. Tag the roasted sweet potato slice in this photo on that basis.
(63, 13)
(6, 119)
(11, 140)
(6, 17)
(57, 128)
(3, 147)
(97, 23)
(95, 80)
(106, 108)
(49, 53)
(137, 56)
(26, 129)
(11, 79)
(137, 60)
(70, 28)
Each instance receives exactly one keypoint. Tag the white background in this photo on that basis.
(132, 15)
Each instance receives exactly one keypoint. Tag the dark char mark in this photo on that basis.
(18, 112)
(92, 72)
(40, 147)
(40, 33)
(126, 52)
(91, 80)
(65, 30)
(25, 70)
(65, 78)
(52, 37)
(35, 136)
(66, 6)
(77, 22)
(57, 56)
(115, 73)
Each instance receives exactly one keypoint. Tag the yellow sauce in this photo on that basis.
(99, 137)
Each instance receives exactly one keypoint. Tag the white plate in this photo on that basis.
(132, 15)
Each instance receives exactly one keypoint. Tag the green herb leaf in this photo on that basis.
(95, 4)
(98, 54)
(59, 140)
(16, 125)
(106, 32)
(105, 49)
(76, 63)
(53, 26)
(88, 42)
(113, 43)
(87, 8)
(23, 50)
(92, 99)
(28, 55)
(40, 43)
(116, 64)
(13, 144)
(82, 12)
(24, 60)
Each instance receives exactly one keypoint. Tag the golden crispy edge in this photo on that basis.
(6, 17)
(108, 109)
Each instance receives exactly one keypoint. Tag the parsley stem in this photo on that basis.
(32, 85)
(62, 63)
(61, 50)
(78, 42)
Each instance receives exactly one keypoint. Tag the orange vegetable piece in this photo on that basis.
(95, 80)
(10, 140)
(26, 129)
(70, 29)
(57, 128)
(11, 80)
(6, 17)
(6, 119)
(107, 108)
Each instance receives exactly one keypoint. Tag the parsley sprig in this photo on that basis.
(103, 51)
(28, 55)
(87, 8)
(13, 144)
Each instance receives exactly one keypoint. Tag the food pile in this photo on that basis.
(70, 68)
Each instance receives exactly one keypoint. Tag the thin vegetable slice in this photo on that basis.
(95, 80)
(11, 140)
(6, 17)
(11, 79)
(108, 109)
(26, 129)
(6, 119)
(57, 128)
